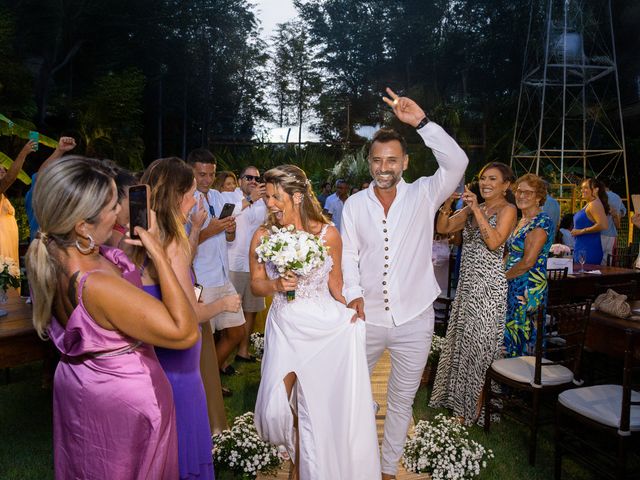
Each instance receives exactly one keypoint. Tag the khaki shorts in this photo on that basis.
(242, 283)
(225, 319)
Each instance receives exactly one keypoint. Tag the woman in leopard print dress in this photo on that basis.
(476, 324)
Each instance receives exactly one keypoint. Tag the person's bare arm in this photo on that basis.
(595, 212)
(181, 264)
(114, 302)
(16, 166)
(65, 145)
(261, 284)
(533, 244)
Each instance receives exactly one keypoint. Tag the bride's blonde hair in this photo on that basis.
(292, 180)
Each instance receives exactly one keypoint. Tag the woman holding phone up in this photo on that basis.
(476, 325)
(172, 186)
(113, 414)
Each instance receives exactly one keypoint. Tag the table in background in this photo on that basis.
(19, 342)
(606, 333)
(580, 286)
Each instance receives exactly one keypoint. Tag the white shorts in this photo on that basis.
(225, 319)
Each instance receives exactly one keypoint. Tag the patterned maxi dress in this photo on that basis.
(528, 291)
(476, 326)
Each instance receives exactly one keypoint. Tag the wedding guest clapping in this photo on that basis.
(113, 413)
(476, 325)
(528, 249)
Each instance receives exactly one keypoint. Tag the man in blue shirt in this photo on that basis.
(211, 261)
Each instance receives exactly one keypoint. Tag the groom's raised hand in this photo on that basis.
(404, 108)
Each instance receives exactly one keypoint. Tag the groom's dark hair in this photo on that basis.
(385, 135)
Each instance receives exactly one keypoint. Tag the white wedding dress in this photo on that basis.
(313, 337)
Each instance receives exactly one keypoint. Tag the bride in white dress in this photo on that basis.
(314, 396)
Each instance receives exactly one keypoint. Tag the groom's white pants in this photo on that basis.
(409, 346)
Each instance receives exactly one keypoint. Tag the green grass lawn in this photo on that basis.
(25, 426)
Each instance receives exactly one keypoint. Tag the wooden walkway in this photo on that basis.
(379, 387)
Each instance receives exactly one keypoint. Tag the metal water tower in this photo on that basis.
(569, 120)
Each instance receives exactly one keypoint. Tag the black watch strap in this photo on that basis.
(422, 123)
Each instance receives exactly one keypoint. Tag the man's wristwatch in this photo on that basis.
(249, 200)
(422, 123)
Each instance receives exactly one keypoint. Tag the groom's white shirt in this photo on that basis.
(387, 260)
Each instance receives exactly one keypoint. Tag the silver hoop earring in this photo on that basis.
(87, 250)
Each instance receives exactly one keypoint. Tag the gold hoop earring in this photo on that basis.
(86, 250)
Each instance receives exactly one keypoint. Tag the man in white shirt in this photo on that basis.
(387, 233)
(335, 202)
(254, 212)
(211, 261)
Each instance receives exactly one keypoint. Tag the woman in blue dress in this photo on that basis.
(590, 221)
(526, 267)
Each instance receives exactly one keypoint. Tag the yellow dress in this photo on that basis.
(8, 230)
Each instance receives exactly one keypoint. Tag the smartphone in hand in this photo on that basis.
(139, 200)
(198, 291)
(35, 136)
(227, 210)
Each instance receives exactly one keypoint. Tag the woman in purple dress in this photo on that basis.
(172, 196)
(113, 414)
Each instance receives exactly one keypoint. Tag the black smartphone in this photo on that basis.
(198, 290)
(139, 199)
(227, 210)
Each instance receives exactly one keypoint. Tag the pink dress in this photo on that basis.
(113, 413)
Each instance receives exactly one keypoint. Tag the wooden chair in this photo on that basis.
(622, 260)
(554, 368)
(600, 425)
(557, 273)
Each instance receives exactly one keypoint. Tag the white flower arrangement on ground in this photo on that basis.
(257, 342)
(9, 274)
(437, 342)
(291, 250)
(442, 449)
(241, 451)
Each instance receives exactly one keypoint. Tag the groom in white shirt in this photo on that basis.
(387, 232)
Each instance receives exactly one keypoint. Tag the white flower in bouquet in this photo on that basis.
(241, 451)
(9, 273)
(290, 250)
(559, 250)
(442, 449)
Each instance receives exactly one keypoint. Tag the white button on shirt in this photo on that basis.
(247, 222)
(387, 259)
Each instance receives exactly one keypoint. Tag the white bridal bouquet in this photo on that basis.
(9, 276)
(291, 250)
(242, 452)
(442, 449)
